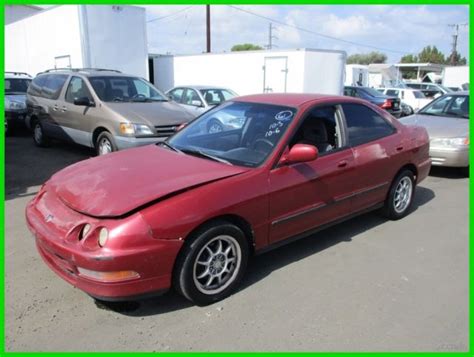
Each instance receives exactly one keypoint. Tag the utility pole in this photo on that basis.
(455, 27)
(208, 28)
(271, 36)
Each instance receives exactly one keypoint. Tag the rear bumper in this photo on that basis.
(449, 157)
(423, 170)
(153, 262)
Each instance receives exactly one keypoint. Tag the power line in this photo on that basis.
(316, 33)
(169, 15)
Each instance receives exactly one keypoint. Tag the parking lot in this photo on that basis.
(366, 285)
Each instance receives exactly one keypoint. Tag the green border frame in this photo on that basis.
(217, 2)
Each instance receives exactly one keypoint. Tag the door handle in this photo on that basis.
(55, 107)
(64, 109)
(399, 148)
(342, 163)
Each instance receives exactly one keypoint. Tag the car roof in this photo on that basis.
(88, 72)
(18, 75)
(200, 87)
(290, 99)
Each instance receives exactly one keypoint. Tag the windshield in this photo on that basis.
(238, 133)
(373, 92)
(448, 106)
(125, 89)
(16, 85)
(217, 96)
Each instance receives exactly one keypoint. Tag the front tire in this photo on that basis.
(212, 263)
(39, 136)
(105, 144)
(400, 197)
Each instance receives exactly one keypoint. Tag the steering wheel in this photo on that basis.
(264, 141)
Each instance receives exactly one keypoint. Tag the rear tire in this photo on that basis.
(211, 264)
(105, 144)
(400, 197)
(39, 136)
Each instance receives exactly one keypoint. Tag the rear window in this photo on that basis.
(418, 94)
(54, 84)
(16, 85)
(373, 92)
(392, 92)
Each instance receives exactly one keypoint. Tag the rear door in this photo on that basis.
(275, 74)
(378, 154)
(192, 102)
(50, 93)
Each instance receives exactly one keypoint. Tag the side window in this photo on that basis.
(348, 92)
(191, 97)
(320, 128)
(54, 84)
(177, 95)
(77, 88)
(36, 86)
(364, 124)
(142, 88)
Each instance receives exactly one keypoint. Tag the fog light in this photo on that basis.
(108, 276)
(103, 235)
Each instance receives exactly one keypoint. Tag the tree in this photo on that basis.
(431, 55)
(367, 58)
(409, 59)
(458, 60)
(245, 47)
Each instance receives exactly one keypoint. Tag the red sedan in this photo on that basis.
(190, 211)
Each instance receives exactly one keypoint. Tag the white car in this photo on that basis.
(414, 99)
(16, 85)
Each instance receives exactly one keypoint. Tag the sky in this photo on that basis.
(392, 29)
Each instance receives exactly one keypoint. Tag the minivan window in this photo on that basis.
(36, 85)
(125, 89)
(77, 88)
(364, 124)
(16, 85)
(53, 85)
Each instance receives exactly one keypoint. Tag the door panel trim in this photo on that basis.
(300, 213)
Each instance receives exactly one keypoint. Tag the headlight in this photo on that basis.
(135, 129)
(86, 229)
(13, 105)
(103, 236)
(450, 142)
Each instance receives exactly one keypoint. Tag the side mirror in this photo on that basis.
(170, 97)
(299, 153)
(84, 101)
(196, 103)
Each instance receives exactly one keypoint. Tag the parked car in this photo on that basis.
(16, 85)
(390, 104)
(415, 99)
(102, 109)
(199, 99)
(430, 90)
(447, 121)
(188, 212)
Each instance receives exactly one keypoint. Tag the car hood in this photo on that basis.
(152, 113)
(118, 183)
(438, 126)
(15, 98)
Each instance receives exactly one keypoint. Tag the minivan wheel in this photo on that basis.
(105, 144)
(211, 264)
(39, 136)
(400, 197)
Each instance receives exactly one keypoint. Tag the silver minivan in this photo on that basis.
(102, 109)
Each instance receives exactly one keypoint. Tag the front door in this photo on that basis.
(275, 73)
(306, 195)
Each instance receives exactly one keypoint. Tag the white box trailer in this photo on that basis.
(356, 75)
(457, 76)
(79, 36)
(249, 72)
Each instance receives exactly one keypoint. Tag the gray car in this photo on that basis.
(102, 109)
(199, 99)
(447, 121)
(16, 85)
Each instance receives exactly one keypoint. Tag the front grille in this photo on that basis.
(166, 130)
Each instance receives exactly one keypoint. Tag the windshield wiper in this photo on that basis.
(205, 155)
(164, 143)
